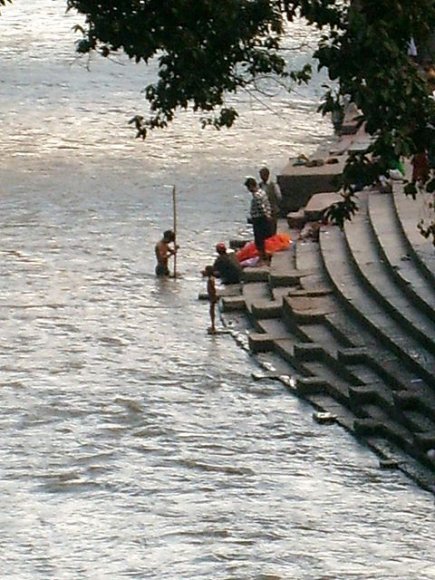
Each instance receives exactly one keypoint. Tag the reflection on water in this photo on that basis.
(133, 445)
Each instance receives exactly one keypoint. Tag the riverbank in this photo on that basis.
(346, 322)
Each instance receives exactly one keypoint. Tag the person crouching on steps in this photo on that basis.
(226, 266)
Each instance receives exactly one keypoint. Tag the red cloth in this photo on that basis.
(273, 244)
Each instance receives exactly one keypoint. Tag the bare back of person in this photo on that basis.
(163, 251)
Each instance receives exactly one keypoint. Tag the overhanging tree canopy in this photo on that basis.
(207, 49)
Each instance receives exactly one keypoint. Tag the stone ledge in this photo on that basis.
(308, 351)
(231, 303)
(309, 292)
(369, 394)
(425, 440)
(319, 203)
(296, 219)
(299, 182)
(311, 386)
(258, 274)
(266, 309)
(352, 355)
(307, 386)
(260, 342)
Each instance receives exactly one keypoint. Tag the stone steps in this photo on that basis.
(308, 358)
(409, 212)
(378, 422)
(377, 277)
(396, 253)
(375, 355)
(366, 308)
(354, 335)
(407, 400)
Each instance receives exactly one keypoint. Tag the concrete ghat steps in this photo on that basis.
(368, 384)
(363, 345)
(348, 356)
(326, 375)
(395, 252)
(368, 310)
(409, 212)
(379, 423)
(309, 358)
(360, 351)
(375, 275)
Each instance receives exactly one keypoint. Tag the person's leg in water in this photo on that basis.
(162, 271)
(212, 328)
(212, 296)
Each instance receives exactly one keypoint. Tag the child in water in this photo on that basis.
(212, 296)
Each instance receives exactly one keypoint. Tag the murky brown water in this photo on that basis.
(133, 445)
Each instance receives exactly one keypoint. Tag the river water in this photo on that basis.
(132, 444)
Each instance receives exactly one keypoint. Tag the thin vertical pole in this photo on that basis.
(174, 211)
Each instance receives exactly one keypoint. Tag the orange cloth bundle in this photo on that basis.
(273, 244)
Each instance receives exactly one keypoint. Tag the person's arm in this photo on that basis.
(172, 250)
(277, 191)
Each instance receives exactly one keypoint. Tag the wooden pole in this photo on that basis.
(174, 211)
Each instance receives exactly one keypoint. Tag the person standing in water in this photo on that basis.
(212, 296)
(164, 250)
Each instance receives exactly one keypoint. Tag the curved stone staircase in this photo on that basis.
(352, 320)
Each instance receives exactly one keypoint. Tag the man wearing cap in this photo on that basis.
(261, 216)
(226, 266)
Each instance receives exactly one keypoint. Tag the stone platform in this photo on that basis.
(299, 182)
(348, 324)
(321, 172)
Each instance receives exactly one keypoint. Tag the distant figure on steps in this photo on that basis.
(273, 194)
(261, 217)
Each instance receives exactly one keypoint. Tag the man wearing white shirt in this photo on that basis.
(273, 194)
